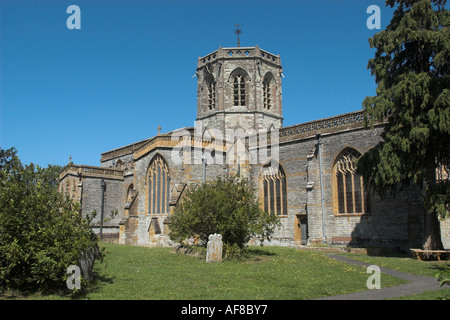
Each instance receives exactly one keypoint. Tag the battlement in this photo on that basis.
(239, 53)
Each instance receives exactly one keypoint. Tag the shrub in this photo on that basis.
(227, 206)
(41, 231)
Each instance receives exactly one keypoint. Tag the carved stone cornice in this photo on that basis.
(91, 171)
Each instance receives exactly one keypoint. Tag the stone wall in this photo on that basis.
(396, 223)
(114, 200)
(445, 232)
(84, 185)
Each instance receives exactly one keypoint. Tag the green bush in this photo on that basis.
(444, 275)
(234, 252)
(41, 231)
(227, 206)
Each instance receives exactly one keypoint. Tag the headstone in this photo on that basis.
(214, 248)
(87, 262)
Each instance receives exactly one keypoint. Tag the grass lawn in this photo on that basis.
(400, 262)
(272, 273)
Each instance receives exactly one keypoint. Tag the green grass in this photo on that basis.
(400, 262)
(443, 294)
(272, 273)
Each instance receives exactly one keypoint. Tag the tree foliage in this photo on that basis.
(226, 206)
(41, 231)
(411, 68)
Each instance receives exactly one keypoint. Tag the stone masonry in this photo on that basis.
(122, 186)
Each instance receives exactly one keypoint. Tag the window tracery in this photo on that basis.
(158, 183)
(274, 190)
(239, 90)
(350, 194)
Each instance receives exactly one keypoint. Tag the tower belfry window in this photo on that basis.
(267, 95)
(239, 90)
(211, 95)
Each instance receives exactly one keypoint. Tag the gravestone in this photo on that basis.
(87, 262)
(214, 248)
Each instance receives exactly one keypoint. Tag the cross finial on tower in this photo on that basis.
(238, 32)
(159, 129)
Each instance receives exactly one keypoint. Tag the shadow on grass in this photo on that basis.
(251, 255)
(55, 293)
(395, 253)
(442, 268)
(259, 252)
(95, 285)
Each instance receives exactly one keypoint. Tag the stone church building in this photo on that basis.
(304, 173)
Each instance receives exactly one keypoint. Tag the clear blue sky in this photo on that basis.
(130, 66)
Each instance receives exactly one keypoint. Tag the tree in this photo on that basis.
(226, 206)
(411, 69)
(41, 231)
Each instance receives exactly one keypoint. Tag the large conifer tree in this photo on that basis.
(411, 68)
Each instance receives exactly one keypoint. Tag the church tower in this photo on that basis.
(239, 87)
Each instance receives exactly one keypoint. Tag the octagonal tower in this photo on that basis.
(239, 87)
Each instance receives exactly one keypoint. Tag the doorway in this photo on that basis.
(301, 229)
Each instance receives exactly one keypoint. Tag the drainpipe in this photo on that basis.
(103, 186)
(239, 166)
(204, 167)
(319, 146)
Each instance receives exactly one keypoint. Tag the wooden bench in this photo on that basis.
(417, 253)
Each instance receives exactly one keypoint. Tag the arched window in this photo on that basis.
(211, 92)
(158, 183)
(268, 91)
(119, 164)
(274, 190)
(239, 90)
(350, 196)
